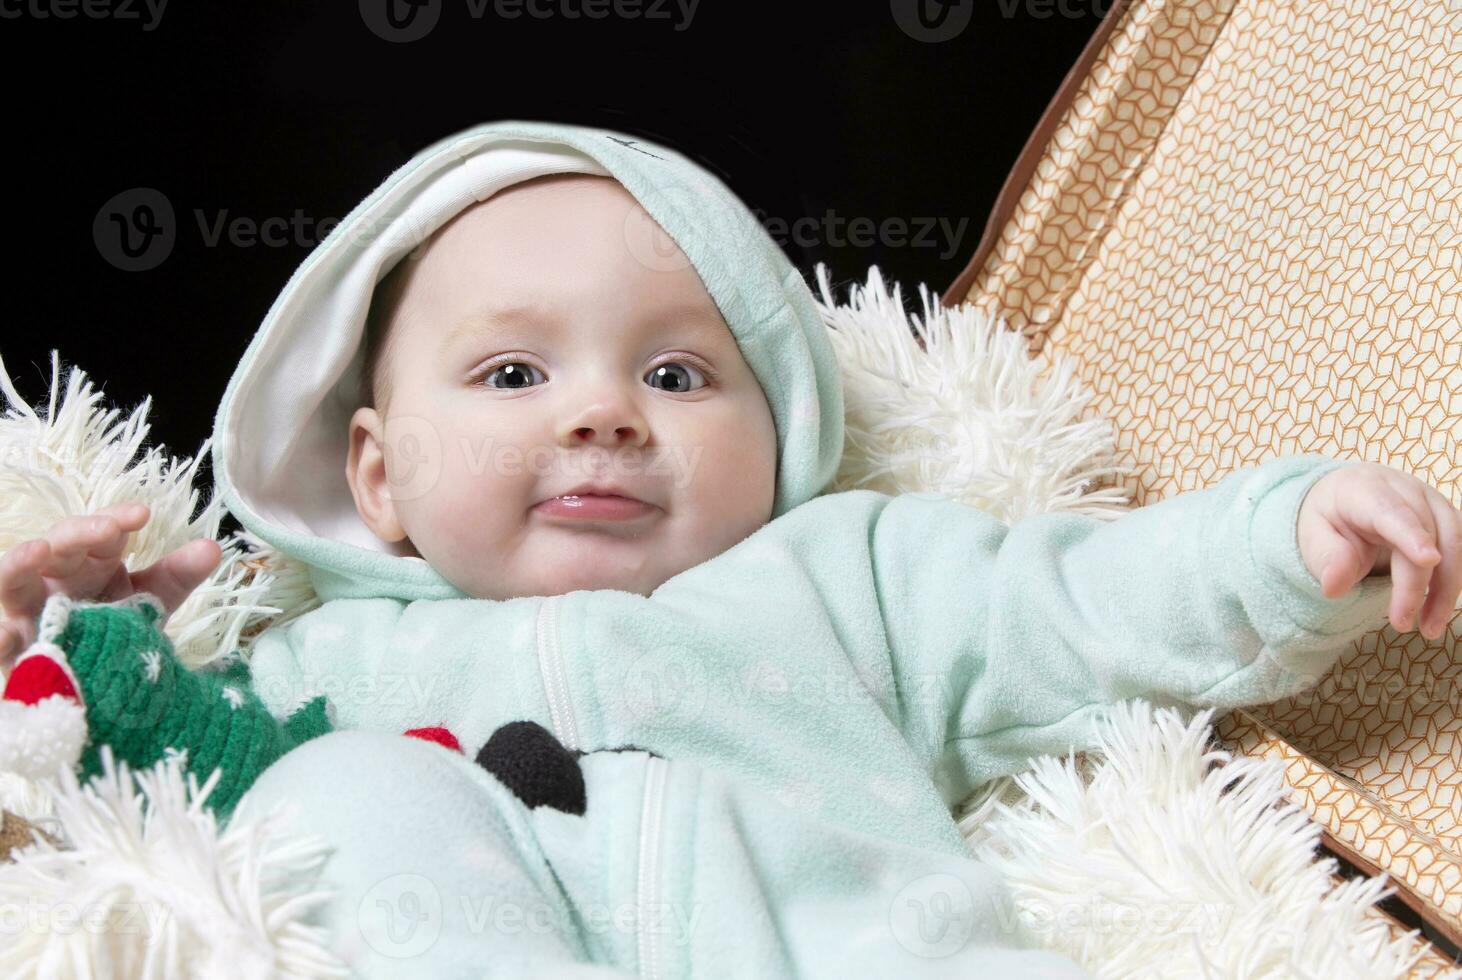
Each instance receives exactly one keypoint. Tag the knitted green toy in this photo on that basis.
(104, 673)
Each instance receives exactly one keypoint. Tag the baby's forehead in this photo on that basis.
(549, 241)
(526, 231)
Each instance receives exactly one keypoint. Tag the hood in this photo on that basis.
(279, 440)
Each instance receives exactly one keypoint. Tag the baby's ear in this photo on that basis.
(365, 471)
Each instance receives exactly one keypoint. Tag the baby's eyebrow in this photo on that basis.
(527, 316)
(533, 319)
(706, 320)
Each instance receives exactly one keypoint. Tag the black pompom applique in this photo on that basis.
(527, 759)
(539, 769)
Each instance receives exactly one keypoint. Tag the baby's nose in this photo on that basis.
(620, 434)
(607, 423)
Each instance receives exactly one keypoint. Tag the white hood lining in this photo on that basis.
(285, 434)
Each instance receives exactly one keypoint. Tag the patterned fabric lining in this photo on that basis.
(1246, 234)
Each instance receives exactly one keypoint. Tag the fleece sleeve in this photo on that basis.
(140, 700)
(1006, 640)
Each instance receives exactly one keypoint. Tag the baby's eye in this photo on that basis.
(673, 374)
(513, 374)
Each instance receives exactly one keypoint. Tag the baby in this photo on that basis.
(612, 437)
(549, 421)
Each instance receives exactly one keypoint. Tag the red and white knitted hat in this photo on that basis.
(42, 716)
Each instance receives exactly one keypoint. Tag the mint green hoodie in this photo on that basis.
(816, 697)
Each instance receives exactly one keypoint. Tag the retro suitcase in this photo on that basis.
(1242, 221)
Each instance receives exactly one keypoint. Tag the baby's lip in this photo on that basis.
(597, 489)
(595, 508)
(599, 504)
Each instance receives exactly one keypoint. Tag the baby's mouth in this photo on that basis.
(593, 507)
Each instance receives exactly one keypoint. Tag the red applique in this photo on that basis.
(38, 677)
(437, 734)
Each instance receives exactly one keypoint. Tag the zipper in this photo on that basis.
(648, 885)
(565, 729)
(555, 675)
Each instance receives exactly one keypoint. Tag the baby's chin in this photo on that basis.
(559, 574)
(563, 581)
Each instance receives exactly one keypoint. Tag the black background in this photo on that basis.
(241, 113)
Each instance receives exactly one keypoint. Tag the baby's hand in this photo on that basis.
(1369, 519)
(82, 557)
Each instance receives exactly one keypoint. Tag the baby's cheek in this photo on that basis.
(750, 457)
(471, 497)
(466, 529)
(735, 485)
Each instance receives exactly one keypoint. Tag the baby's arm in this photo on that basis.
(1007, 640)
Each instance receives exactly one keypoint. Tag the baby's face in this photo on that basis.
(533, 353)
